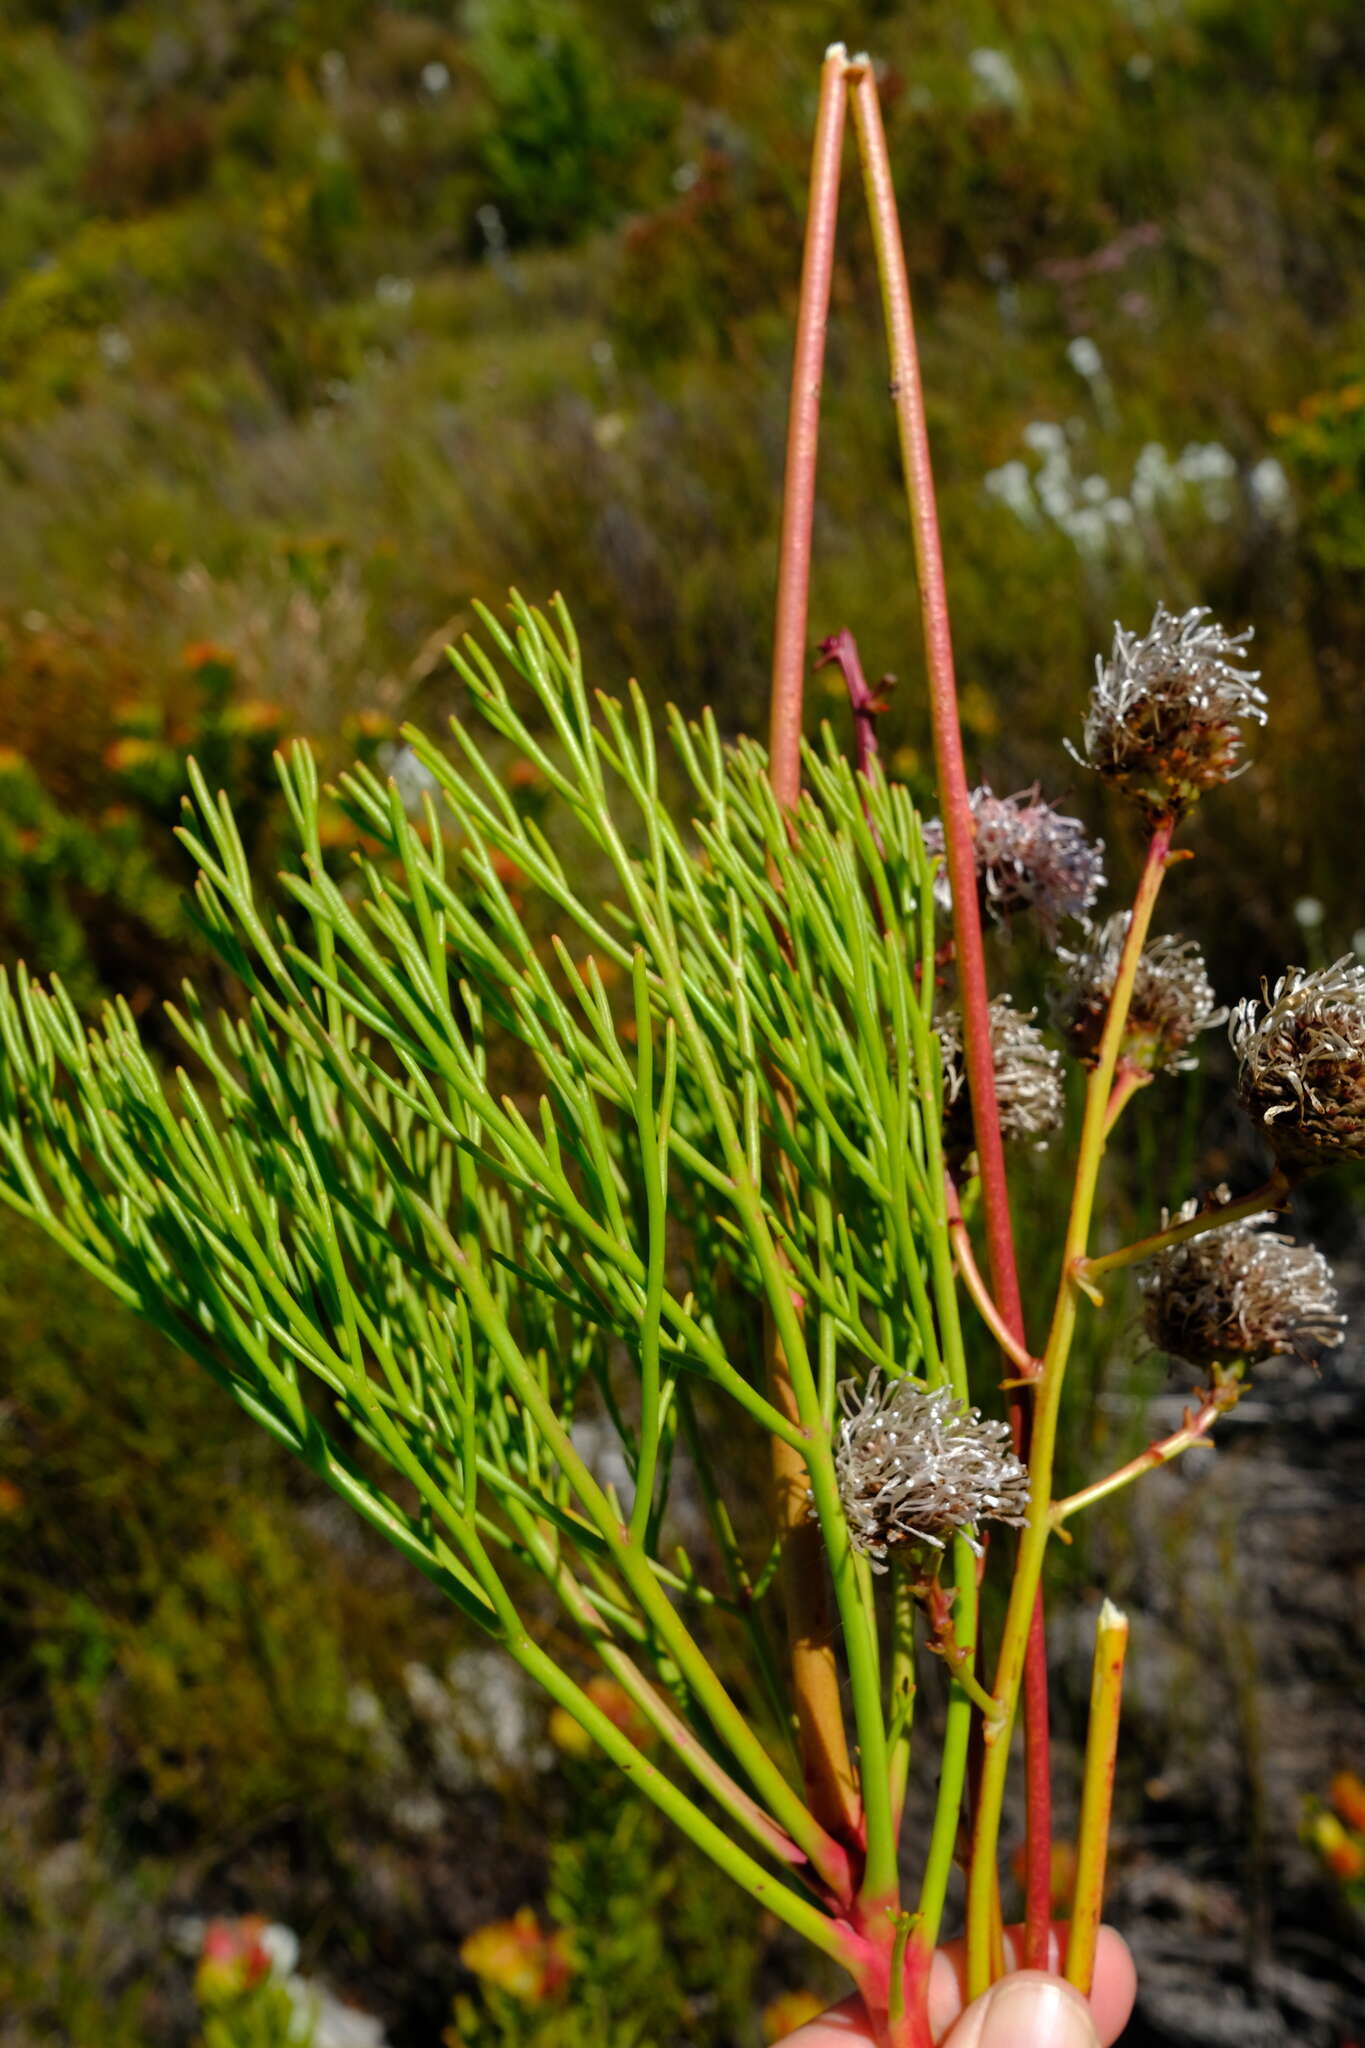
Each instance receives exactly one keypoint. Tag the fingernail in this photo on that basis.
(1029, 2012)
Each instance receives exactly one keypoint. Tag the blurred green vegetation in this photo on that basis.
(318, 322)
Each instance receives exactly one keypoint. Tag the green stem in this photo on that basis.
(799, 1914)
(652, 1127)
(952, 1779)
(1272, 1194)
(1097, 1792)
(667, 1724)
(1033, 1543)
(1225, 1392)
(826, 1856)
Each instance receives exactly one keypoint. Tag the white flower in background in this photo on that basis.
(1084, 358)
(409, 775)
(1104, 520)
(236, 1956)
(281, 1944)
(1013, 486)
(1270, 492)
(997, 82)
(435, 78)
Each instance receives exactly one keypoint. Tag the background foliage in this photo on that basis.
(317, 322)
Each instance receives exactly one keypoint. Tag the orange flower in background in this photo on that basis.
(131, 752)
(1343, 1854)
(783, 2015)
(1061, 1875)
(508, 873)
(255, 715)
(233, 1959)
(197, 654)
(612, 1700)
(1348, 1797)
(515, 1957)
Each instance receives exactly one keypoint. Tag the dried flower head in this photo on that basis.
(1030, 1092)
(1028, 857)
(1172, 1000)
(1166, 711)
(917, 1467)
(1301, 1063)
(1245, 1291)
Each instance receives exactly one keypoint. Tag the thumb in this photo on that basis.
(1025, 2010)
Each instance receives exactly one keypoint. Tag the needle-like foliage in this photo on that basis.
(430, 1199)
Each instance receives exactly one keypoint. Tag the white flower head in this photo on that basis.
(1167, 709)
(1244, 1291)
(1030, 1093)
(918, 1467)
(1172, 1000)
(1301, 1063)
(1029, 857)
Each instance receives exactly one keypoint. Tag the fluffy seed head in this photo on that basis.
(1166, 712)
(1029, 1090)
(1172, 998)
(1245, 1291)
(915, 1467)
(1301, 1063)
(1028, 857)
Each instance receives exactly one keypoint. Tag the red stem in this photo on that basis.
(803, 436)
(959, 836)
(830, 1778)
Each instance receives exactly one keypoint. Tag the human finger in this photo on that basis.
(1112, 1994)
(1111, 2000)
(1026, 2009)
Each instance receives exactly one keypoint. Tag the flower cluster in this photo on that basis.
(918, 1467)
(1301, 1064)
(1030, 1093)
(1166, 712)
(1028, 857)
(1172, 1000)
(1244, 1291)
(516, 1957)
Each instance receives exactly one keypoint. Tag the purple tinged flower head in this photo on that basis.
(1028, 857)
(1301, 1063)
(1172, 1002)
(917, 1467)
(1030, 1093)
(1244, 1291)
(1167, 708)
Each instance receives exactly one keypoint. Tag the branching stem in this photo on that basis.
(1272, 1194)
(1225, 1392)
(964, 1258)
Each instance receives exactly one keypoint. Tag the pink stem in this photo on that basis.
(866, 703)
(803, 436)
(831, 1781)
